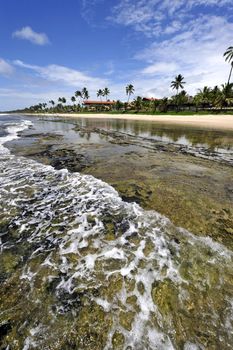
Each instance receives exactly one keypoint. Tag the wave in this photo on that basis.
(102, 273)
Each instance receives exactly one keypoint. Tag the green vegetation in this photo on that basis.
(206, 100)
(229, 58)
(129, 91)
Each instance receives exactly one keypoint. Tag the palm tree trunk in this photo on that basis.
(230, 75)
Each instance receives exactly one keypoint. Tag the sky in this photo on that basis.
(51, 48)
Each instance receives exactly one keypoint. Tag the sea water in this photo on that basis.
(82, 269)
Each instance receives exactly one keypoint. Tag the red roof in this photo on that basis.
(90, 102)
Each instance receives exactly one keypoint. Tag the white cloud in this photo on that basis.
(196, 53)
(43, 83)
(27, 33)
(15, 98)
(156, 17)
(5, 68)
(88, 11)
(65, 75)
(160, 68)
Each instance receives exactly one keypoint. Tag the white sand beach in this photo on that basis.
(219, 121)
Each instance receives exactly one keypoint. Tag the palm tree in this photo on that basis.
(85, 93)
(178, 83)
(229, 58)
(52, 102)
(163, 105)
(119, 105)
(62, 100)
(129, 91)
(215, 91)
(78, 94)
(106, 92)
(204, 95)
(225, 96)
(227, 89)
(99, 94)
(138, 103)
(73, 99)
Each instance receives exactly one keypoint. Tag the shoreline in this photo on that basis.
(182, 184)
(210, 121)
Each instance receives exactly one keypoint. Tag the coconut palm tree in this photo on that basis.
(52, 102)
(85, 93)
(204, 95)
(138, 103)
(178, 83)
(78, 94)
(73, 99)
(229, 58)
(100, 94)
(225, 96)
(106, 92)
(62, 100)
(214, 93)
(129, 91)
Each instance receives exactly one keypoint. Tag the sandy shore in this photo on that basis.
(207, 121)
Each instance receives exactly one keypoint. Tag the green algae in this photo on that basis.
(74, 320)
(93, 325)
(8, 262)
(118, 341)
(194, 211)
(126, 319)
(194, 193)
(165, 295)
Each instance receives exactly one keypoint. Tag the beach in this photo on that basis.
(116, 175)
(123, 224)
(170, 168)
(220, 121)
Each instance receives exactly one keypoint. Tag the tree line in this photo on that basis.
(218, 97)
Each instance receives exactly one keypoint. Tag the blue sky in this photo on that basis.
(51, 48)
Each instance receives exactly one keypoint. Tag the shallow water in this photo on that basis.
(203, 143)
(189, 136)
(82, 269)
(218, 140)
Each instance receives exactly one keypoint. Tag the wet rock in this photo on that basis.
(126, 319)
(141, 287)
(5, 327)
(118, 340)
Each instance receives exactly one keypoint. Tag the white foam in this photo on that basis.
(55, 218)
(13, 130)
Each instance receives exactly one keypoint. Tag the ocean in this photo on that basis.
(83, 269)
